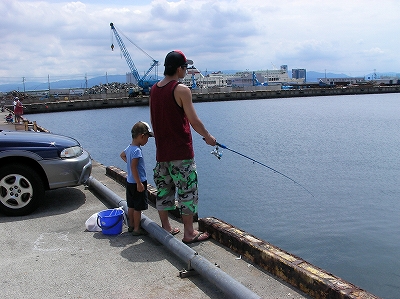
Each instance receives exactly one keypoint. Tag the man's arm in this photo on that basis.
(183, 96)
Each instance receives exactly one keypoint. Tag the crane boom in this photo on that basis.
(141, 81)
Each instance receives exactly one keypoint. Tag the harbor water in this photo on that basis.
(343, 149)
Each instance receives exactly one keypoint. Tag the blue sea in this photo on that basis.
(343, 149)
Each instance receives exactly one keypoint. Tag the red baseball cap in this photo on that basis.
(176, 59)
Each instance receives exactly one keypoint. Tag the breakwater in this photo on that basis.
(113, 101)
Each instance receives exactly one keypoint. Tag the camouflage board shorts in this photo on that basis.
(179, 177)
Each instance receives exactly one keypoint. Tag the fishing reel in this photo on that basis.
(217, 153)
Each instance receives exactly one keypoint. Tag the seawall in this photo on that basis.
(120, 100)
(306, 277)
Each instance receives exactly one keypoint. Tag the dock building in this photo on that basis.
(266, 78)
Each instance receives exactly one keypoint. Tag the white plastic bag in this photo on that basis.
(91, 224)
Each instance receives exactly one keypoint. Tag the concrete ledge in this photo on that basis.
(304, 276)
(290, 268)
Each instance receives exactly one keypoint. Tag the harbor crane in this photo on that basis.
(145, 82)
(256, 82)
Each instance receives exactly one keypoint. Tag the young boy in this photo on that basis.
(136, 189)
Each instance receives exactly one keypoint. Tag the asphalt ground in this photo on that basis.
(50, 254)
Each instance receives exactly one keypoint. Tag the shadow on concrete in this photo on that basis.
(146, 249)
(56, 202)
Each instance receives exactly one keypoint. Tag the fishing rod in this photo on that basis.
(218, 154)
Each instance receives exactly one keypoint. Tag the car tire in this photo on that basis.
(21, 190)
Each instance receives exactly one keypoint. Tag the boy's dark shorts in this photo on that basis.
(134, 199)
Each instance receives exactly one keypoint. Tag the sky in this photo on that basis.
(57, 40)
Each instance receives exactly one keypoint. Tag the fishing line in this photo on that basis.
(218, 154)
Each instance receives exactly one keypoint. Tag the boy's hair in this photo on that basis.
(141, 127)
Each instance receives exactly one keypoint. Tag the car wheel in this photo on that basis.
(20, 190)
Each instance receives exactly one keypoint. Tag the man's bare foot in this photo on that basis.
(200, 236)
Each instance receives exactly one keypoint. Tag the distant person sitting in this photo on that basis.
(9, 118)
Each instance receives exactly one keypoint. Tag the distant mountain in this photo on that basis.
(29, 86)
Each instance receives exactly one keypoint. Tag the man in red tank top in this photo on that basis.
(172, 113)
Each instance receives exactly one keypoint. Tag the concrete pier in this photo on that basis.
(292, 269)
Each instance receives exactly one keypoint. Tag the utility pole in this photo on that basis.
(23, 83)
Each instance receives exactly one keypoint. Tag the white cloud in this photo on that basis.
(374, 51)
(73, 38)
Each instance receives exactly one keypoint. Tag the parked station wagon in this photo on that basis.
(33, 162)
